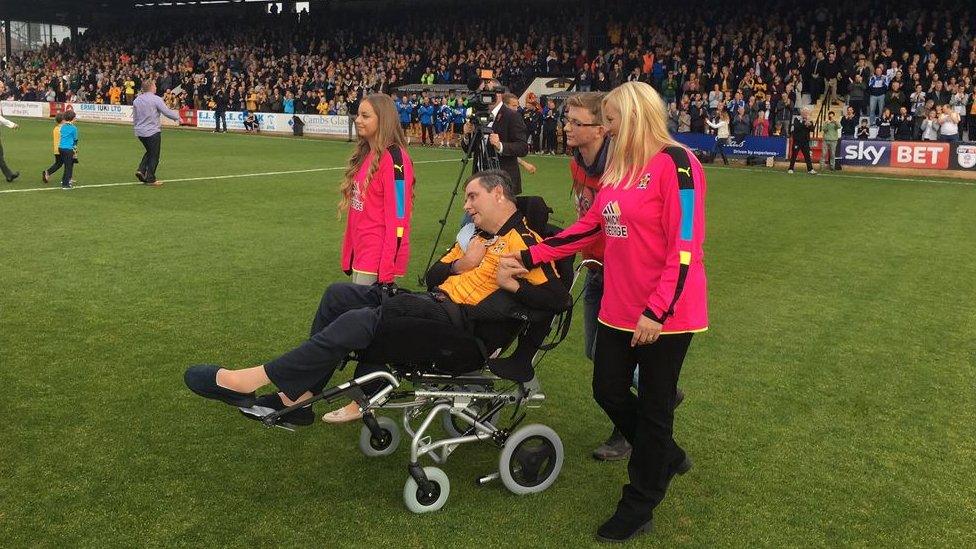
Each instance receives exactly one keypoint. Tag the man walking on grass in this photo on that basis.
(146, 109)
(7, 173)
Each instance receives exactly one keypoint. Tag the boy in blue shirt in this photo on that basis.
(66, 148)
(460, 113)
(426, 122)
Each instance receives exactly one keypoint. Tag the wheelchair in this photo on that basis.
(436, 375)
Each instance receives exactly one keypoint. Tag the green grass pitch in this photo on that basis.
(830, 404)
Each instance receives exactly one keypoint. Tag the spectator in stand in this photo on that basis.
(972, 115)
(288, 103)
(741, 125)
(885, 124)
(848, 124)
(801, 132)
(877, 89)
(930, 126)
(783, 115)
(917, 105)
(863, 130)
(721, 127)
(760, 126)
(895, 98)
(948, 124)
(714, 100)
(673, 117)
(904, 125)
(857, 93)
(831, 74)
(684, 120)
(828, 147)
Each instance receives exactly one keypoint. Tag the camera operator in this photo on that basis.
(505, 135)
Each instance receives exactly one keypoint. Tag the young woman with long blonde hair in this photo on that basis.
(376, 195)
(650, 212)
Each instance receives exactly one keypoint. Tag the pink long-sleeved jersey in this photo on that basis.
(377, 239)
(653, 233)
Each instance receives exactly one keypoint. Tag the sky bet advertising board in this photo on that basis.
(929, 155)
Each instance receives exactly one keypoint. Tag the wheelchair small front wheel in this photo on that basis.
(383, 444)
(531, 459)
(419, 500)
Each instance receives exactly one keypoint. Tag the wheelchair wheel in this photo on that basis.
(418, 500)
(383, 445)
(455, 427)
(531, 459)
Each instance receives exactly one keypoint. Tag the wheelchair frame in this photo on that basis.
(473, 399)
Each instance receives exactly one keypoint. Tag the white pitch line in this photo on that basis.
(56, 187)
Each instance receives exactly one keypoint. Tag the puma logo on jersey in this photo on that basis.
(686, 171)
(398, 167)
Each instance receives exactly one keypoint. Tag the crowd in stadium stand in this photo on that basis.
(908, 68)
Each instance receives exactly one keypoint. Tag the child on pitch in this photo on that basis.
(67, 143)
(56, 135)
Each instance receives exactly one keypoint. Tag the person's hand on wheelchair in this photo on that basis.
(508, 272)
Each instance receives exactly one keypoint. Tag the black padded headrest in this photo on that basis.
(536, 212)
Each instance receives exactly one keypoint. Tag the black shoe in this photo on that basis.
(616, 448)
(67, 187)
(202, 380)
(140, 177)
(683, 467)
(13, 176)
(266, 404)
(621, 528)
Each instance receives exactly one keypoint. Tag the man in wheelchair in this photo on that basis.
(469, 292)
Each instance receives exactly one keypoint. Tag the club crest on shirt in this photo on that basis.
(611, 221)
(643, 181)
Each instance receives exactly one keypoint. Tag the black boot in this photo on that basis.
(616, 448)
(620, 528)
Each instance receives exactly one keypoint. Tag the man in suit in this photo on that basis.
(508, 139)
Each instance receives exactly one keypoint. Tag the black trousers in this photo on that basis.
(68, 159)
(150, 160)
(56, 166)
(549, 139)
(220, 118)
(645, 420)
(3, 164)
(720, 144)
(802, 148)
(427, 133)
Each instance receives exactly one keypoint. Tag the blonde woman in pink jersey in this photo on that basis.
(650, 212)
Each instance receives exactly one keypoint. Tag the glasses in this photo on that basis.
(577, 124)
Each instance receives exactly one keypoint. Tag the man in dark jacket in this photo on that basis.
(802, 128)
(507, 141)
